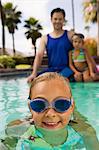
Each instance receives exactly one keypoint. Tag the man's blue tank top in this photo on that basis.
(57, 51)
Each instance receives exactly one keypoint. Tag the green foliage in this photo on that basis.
(33, 29)
(23, 66)
(12, 19)
(12, 62)
(8, 5)
(20, 60)
(90, 11)
(7, 61)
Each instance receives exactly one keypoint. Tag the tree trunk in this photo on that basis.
(13, 44)
(34, 50)
(3, 29)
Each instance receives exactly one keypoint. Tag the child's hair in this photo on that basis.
(79, 35)
(46, 77)
(57, 10)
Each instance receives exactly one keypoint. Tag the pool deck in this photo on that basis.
(14, 72)
(17, 72)
(9, 72)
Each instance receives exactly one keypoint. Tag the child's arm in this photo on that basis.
(89, 62)
(91, 59)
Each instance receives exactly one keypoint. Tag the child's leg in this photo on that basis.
(78, 78)
(86, 76)
(96, 77)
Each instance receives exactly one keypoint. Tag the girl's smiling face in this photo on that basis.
(51, 90)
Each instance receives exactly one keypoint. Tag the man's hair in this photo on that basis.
(58, 10)
(47, 77)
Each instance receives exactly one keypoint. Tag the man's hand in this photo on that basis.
(31, 77)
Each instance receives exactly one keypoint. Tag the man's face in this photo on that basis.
(51, 90)
(57, 20)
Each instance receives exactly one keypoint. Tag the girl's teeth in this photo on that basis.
(51, 123)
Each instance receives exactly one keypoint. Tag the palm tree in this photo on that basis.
(3, 24)
(12, 18)
(33, 30)
(91, 14)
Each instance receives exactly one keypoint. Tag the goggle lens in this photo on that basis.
(62, 105)
(38, 105)
(59, 105)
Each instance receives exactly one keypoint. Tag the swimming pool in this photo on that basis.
(13, 101)
(86, 96)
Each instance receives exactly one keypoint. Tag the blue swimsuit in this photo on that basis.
(57, 52)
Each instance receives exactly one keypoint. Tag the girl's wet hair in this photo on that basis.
(47, 77)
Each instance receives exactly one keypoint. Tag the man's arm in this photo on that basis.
(38, 59)
(70, 34)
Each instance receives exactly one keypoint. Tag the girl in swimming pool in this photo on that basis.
(51, 105)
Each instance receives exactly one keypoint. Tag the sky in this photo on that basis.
(40, 9)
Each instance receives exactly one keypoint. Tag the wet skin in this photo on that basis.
(49, 90)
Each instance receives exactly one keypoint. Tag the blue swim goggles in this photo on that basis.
(60, 105)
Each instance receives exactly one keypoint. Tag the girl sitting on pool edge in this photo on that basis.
(51, 105)
(79, 61)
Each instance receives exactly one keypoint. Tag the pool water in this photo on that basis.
(86, 96)
(14, 94)
(13, 101)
